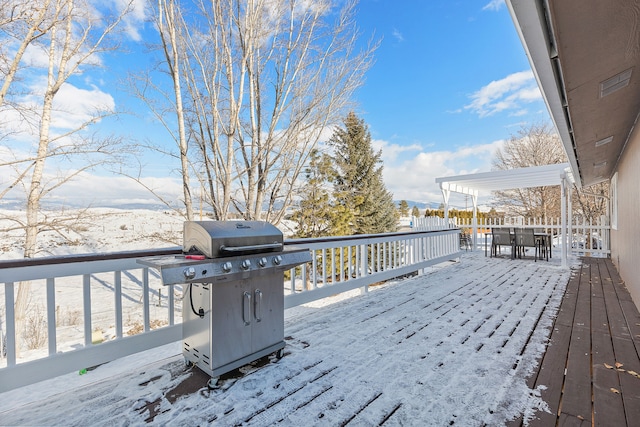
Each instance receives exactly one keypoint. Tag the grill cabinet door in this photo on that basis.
(268, 315)
(230, 330)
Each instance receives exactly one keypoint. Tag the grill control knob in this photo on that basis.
(246, 264)
(262, 262)
(189, 273)
(277, 259)
(226, 267)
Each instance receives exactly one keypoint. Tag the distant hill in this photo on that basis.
(420, 205)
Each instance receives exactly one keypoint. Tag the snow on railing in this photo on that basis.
(86, 310)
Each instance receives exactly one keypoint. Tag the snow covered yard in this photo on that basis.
(450, 347)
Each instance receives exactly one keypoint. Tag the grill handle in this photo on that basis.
(258, 305)
(266, 246)
(246, 308)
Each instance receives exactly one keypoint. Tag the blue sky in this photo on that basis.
(450, 83)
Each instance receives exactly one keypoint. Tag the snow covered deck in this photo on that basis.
(458, 345)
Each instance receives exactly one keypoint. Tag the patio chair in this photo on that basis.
(465, 240)
(544, 239)
(501, 237)
(525, 238)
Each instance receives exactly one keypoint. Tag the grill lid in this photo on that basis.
(225, 238)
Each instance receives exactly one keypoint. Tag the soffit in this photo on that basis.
(573, 46)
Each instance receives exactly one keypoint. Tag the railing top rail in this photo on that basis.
(69, 259)
(407, 234)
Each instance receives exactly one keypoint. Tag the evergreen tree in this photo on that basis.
(415, 211)
(358, 185)
(314, 216)
(404, 208)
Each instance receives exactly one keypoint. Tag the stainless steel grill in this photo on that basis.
(233, 305)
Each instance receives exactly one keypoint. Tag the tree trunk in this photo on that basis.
(35, 194)
(173, 60)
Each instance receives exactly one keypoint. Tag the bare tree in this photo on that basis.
(592, 202)
(263, 79)
(169, 25)
(534, 145)
(25, 22)
(67, 35)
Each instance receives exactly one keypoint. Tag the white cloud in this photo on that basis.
(397, 35)
(414, 178)
(135, 18)
(411, 178)
(89, 189)
(509, 93)
(494, 5)
(390, 152)
(74, 106)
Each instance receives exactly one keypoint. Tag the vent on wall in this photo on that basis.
(615, 83)
(604, 141)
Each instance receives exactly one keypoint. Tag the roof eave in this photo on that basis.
(530, 19)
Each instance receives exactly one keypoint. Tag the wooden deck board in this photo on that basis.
(605, 380)
(598, 350)
(553, 364)
(576, 398)
(552, 367)
(605, 377)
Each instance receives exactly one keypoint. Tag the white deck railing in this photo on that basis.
(86, 310)
(588, 238)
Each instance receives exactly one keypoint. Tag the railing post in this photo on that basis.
(349, 262)
(145, 299)
(303, 276)
(314, 264)
(324, 267)
(86, 298)
(171, 303)
(51, 316)
(363, 266)
(12, 337)
(342, 272)
(117, 278)
(333, 265)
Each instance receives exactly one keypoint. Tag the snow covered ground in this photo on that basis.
(450, 347)
(98, 230)
(94, 230)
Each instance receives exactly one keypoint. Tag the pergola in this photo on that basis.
(535, 176)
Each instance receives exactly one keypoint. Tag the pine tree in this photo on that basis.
(316, 215)
(415, 211)
(358, 185)
(404, 208)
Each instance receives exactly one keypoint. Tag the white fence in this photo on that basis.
(90, 309)
(587, 238)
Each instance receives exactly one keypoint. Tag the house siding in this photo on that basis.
(625, 241)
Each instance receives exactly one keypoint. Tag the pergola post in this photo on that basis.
(445, 196)
(474, 199)
(563, 217)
